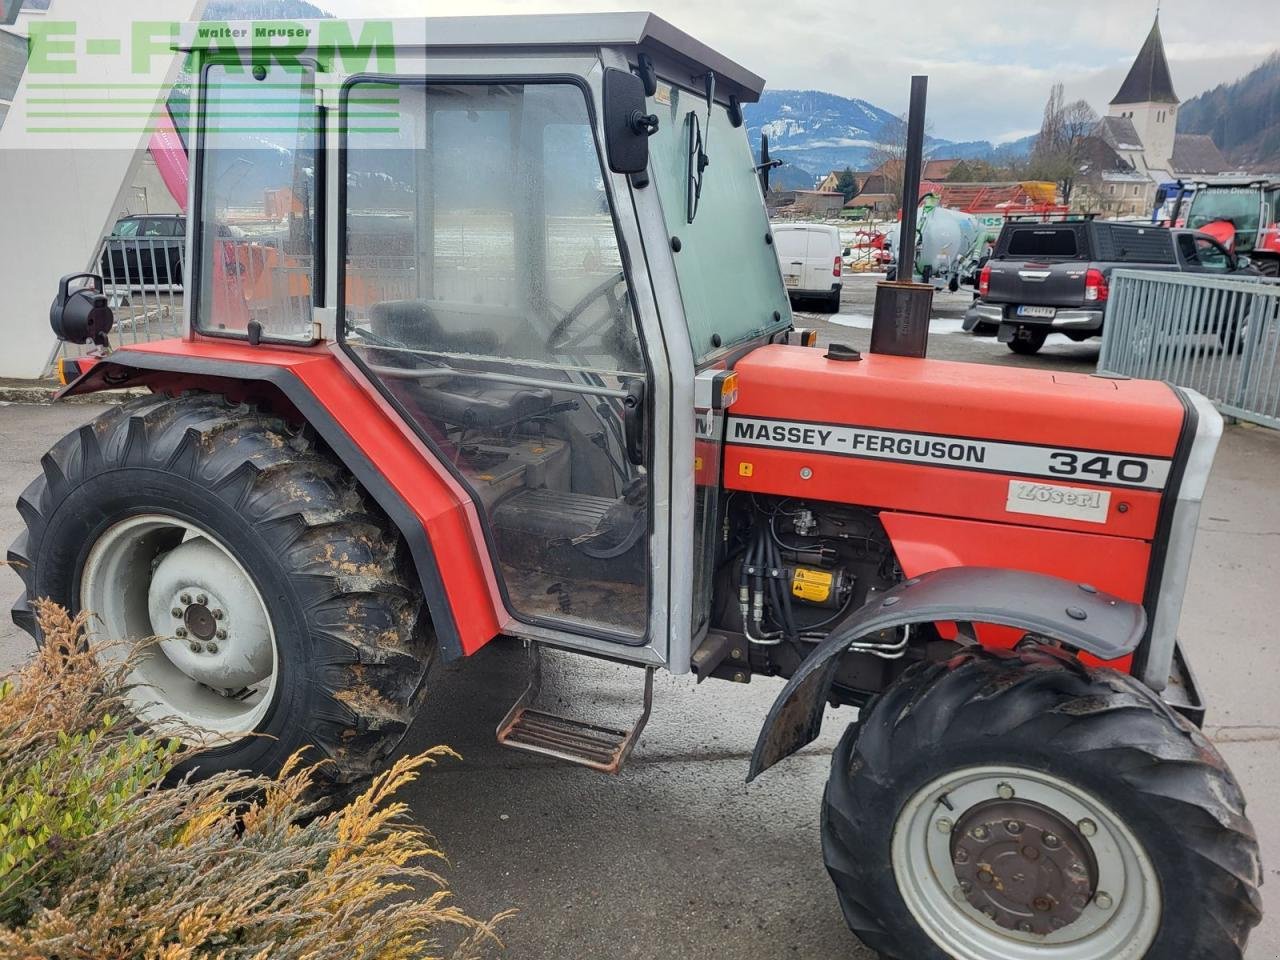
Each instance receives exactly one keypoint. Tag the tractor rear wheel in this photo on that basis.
(286, 609)
(1028, 806)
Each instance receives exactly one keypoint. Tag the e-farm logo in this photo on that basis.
(81, 81)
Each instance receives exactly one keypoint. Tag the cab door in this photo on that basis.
(486, 291)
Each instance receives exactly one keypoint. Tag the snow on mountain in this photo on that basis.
(815, 132)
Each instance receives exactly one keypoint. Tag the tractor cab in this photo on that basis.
(1243, 214)
(528, 250)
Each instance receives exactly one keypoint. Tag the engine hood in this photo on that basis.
(964, 440)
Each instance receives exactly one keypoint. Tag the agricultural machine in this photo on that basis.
(530, 372)
(1243, 214)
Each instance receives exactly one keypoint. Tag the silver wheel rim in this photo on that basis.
(1119, 922)
(211, 674)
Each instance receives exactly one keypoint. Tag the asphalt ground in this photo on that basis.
(677, 857)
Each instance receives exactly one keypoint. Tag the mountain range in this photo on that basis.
(814, 132)
(1242, 117)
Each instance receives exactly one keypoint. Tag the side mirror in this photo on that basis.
(1243, 262)
(627, 127)
(82, 314)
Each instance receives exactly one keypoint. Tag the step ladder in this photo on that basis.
(525, 727)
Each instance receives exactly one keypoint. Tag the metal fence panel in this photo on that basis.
(1218, 336)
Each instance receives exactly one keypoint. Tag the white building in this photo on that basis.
(1147, 100)
(1141, 128)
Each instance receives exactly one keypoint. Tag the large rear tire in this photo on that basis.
(288, 601)
(986, 808)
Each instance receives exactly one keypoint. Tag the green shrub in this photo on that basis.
(99, 862)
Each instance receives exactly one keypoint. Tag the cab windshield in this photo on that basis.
(729, 277)
(1240, 205)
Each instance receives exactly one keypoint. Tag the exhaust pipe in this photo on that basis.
(900, 321)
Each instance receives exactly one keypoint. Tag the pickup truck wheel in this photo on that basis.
(1015, 806)
(1027, 342)
(288, 614)
(1232, 334)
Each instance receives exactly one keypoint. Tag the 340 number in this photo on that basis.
(1103, 468)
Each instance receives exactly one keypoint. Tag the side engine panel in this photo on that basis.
(1070, 476)
(792, 571)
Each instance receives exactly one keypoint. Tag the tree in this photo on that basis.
(889, 156)
(1062, 143)
(847, 184)
(989, 169)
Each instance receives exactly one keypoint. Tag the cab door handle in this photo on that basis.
(633, 421)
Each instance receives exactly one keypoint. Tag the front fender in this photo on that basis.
(436, 518)
(1074, 614)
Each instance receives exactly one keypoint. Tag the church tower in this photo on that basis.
(1146, 97)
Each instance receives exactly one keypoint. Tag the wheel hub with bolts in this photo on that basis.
(213, 672)
(198, 592)
(1023, 866)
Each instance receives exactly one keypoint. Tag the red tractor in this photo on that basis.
(527, 369)
(1243, 214)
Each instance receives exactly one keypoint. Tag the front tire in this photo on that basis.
(286, 598)
(1149, 853)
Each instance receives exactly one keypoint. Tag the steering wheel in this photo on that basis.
(559, 337)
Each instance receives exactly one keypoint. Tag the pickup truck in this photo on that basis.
(1047, 278)
(145, 251)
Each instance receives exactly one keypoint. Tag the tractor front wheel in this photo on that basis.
(1030, 807)
(285, 610)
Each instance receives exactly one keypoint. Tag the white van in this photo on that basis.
(809, 255)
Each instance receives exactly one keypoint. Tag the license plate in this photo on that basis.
(1048, 312)
(791, 281)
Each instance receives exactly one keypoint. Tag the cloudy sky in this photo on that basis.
(990, 62)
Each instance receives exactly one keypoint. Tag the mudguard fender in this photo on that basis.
(436, 520)
(1076, 615)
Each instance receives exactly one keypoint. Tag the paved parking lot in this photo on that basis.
(677, 857)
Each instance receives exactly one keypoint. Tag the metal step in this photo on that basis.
(590, 745)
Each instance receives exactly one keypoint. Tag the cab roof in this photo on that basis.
(638, 32)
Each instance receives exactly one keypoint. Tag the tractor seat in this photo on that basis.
(458, 401)
(413, 323)
(480, 405)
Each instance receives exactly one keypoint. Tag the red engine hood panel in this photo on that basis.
(944, 438)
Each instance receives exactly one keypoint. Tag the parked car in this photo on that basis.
(1055, 277)
(145, 250)
(810, 257)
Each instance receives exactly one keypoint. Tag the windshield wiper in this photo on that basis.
(698, 159)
